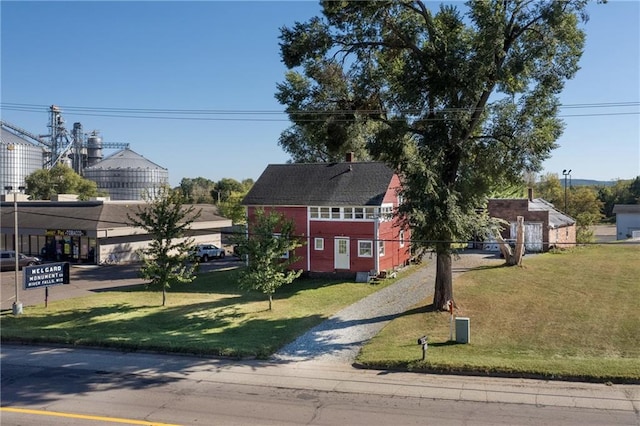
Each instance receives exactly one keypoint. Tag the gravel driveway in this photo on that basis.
(338, 339)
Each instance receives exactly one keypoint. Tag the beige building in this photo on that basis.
(89, 231)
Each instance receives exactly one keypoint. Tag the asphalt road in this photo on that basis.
(70, 386)
(85, 280)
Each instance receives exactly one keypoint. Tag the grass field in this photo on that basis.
(572, 314)
(210, 316)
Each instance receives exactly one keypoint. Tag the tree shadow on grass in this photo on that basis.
(194, 330)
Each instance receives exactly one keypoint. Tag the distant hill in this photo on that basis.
(590, 182)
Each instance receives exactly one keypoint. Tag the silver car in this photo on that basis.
(8, 260)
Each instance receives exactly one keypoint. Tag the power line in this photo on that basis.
(259, 115)
(409, 241)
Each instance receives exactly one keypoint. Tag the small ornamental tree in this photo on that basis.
(268, 246)
(166, 259)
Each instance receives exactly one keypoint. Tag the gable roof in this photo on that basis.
(557, 219)
(321, 184)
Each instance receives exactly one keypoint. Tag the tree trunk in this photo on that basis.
(164, 295)
(270, 301)
(443, 291)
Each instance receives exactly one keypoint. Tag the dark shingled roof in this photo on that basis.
(88, 215)
(321, 184)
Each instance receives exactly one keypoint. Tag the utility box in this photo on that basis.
(462, 330)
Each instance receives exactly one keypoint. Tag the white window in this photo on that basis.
(359, 213)
(318, 243)
(401, 238)
(285, 255)
(365, 248)
(314, 212)
(381, 248)
(335, 212)
(386, 212)
(370, 212)
(348, 212)
(324, 212)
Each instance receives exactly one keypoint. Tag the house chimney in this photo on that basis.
(350, 158)
(530, 192)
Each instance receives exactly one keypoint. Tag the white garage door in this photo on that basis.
(532, 235)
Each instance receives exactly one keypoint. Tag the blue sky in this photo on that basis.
(224, 56)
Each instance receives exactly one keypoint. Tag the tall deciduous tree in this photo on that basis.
(464, 103)
(268, 246)
(197, 190)
(60, 179)
(166, 259)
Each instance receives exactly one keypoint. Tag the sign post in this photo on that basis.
(44, 276)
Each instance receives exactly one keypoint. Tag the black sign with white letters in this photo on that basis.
(46, 275)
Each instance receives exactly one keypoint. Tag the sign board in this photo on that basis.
(46, 275)
(65, 232)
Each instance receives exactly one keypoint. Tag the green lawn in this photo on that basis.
(209, 316)
(571, 314)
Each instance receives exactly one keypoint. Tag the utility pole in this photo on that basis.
(566, 173)
(17, 306)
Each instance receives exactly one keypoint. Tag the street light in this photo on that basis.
(17, 306)
(566, 173)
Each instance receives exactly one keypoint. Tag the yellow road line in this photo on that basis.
(83, 416)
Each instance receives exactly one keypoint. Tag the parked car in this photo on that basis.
(8, 260)
(204, 252)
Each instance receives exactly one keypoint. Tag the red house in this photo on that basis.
(344, 212)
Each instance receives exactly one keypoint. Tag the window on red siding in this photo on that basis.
(365, 248)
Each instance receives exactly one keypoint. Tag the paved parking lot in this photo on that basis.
(86, 279)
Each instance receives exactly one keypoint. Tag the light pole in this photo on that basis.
(565, 173)
(17, 306)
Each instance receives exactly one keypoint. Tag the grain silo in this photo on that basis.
(18, 159)
(127, 175)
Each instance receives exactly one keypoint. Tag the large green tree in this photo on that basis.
(197, 190)
(325, 127)
(268, 246)
(60, 179)
(167, 258)
(464, 101)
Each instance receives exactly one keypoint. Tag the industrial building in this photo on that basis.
(65, 229)
(124, 175)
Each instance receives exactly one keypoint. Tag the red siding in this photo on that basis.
(394, 254)
(324, 260)
(299, 217)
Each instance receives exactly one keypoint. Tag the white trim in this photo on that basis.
(308, 248)
(361, 251)
(335, 252)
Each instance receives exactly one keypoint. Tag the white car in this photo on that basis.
(204, 252)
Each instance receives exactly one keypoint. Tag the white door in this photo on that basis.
(341, 253)
(533, 238)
